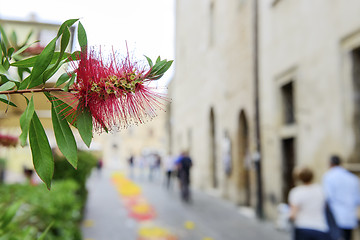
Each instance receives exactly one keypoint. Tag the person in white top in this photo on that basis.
(307, 204)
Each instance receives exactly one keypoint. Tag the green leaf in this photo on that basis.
(7, 86)
(4, 99)
(28, 37)
(3, 48)
(21, 50)
(149, 61)
(27, 62)
(4, 37)
(63, 134)
(52, 69)
(41, 152)
(62, 79)
(68, 85)
(63, 45)
(10, 52)
(2, 69)
(164, 68)
(9, 214)
(41, 63)
(43, 235)
(158, 65)
(6, 64)
(13, 38)
(67, 23)
(84, 125)
(25, 120)
(68, 111)
(158, 60)
(30, 62)
(82, 38)
(25, 83)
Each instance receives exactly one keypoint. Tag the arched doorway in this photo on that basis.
(244, 174)
(213, 165)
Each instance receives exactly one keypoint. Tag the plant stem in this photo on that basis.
(33, 90)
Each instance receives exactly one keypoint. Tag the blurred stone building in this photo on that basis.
(305, 57)
(310, 75)
(212, 110)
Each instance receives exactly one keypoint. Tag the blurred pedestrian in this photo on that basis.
(307, 204)
(169, 171)
(184, 164)
(99, 166)
(343, 196)
(131, 166)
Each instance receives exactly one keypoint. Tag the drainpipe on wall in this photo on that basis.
(257, 156)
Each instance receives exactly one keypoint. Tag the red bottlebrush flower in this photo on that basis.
(116, 92)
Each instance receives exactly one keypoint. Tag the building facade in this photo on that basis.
(308, 72)
(212, 109)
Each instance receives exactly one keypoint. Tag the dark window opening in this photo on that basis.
(288, 163)
(355, 57)
(287, 92)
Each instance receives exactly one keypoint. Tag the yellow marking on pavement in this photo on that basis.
(154, 233)
(189, 225)
(88, 223)
(141, 208)
(207, 238)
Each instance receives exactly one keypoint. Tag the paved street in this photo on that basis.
(119, 208)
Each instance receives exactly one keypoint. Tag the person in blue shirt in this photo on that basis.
(342, 192)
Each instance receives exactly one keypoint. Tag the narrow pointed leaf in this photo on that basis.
(82, 38)
(9, 214)
(4, 37)
(149, 61)
(27, 62)
(25, 120)
(68, 85)
(30, 62)
(63, 134)
(2, 69)
(41, 152)
(67, 23)
(63, 45)
(66, 105)
(7, 86)
(42, 62)
(84, 125)
(21, 50)
(43, 235)
(28, 37)
(25, 83)
(10, 52)
(4, 99)
(157, 66)
(62, 79)
(164, 67)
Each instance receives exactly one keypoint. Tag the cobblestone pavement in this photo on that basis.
(136, 209)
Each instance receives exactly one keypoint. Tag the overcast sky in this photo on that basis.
(146, 25)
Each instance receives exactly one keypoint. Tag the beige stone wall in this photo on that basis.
(307, 42)
(214, 72)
